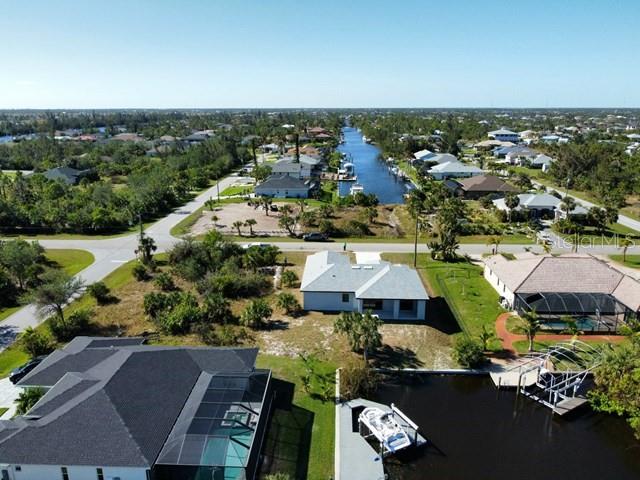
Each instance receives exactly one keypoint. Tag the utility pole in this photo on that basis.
(415, 243)
(218, 186)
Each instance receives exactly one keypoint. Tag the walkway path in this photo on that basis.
(508, 338)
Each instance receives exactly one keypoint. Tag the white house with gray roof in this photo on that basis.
(454, 169)
(331, 283)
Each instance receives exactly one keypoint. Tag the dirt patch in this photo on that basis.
(226, 215)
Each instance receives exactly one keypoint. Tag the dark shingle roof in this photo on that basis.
(119, 408)
(282, 181)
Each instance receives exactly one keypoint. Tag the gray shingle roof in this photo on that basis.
(117, 411)
(332, 272)
(282, 181)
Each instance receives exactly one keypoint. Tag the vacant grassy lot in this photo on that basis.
(472, 301)
(236, 190)
(11, 358)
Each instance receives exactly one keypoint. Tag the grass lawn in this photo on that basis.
(5, 312)
(184, 226)
(472, 300)
(236, 190)
(10, 358)
(522, 346)
(76, 236)
(633, 261)
(3, 410)
(71, 261)
(321, 450)
(614, 233)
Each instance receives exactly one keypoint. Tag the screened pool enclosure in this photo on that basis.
(219, 432)
(592, 312)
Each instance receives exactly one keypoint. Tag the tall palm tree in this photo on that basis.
(625, 243)
(302, 203)
(266, 204)
(495, 240)
(511, 201)
(250, 222)
(530, 326)
(568, 204)
(237, 225)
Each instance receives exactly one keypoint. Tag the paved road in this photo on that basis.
(112, 252)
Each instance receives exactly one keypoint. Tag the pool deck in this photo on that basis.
(355, 458)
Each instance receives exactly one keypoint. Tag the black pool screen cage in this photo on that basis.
(595, 312)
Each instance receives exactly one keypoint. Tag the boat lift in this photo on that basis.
(559, 372)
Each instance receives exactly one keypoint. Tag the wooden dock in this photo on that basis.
(569, 405)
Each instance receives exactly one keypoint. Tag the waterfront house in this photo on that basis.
(504, 135)
(284, 186)
(479, 186)
(304, 168)
(331, 283)
(597, 295)
(115, 408)
(452, 169)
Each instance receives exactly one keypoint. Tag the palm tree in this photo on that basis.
(511, 201)
(370, 337)
(237, 225)
(266, 204)
(28, 398)
(495, 240)
(530, 326)
(568, 204)
(210, 204)
(250, 222)
(485, 337)
(546, 247)
(625, 243)
(302, 203)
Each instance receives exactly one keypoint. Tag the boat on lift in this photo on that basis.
(385, 428)
(356, 188)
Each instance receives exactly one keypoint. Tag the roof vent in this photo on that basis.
(355, 267)
(368, 267)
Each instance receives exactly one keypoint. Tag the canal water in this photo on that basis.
(371, 170)
(478, 432)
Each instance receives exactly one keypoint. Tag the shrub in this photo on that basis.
(289, 304)
(236, 285)
(217, 309)
(36, 343)
(467, 352)
(277, 476)
(289, 278)
(140, 272)
(155, 303)
(164, 282)
(28, 398)
(327, 227)
(100, 292)
(182, 316)
(256, 313)
(75, 324)
(357, 379)
(355, 228)
(222, 335)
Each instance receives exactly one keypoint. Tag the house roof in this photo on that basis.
(531, 200)
(566, 274)
(66, 174)
(485, 183)
(502, 131)
(282, 181)
(333, 272)
(118, 411)
(423, 154)
(449, 167)
(542, 159)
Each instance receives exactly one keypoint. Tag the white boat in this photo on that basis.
(385, 428)
(356, 188)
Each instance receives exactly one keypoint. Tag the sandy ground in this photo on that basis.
(229, 213)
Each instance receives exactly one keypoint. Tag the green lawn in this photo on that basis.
(614, 232)
(10, 358)
(633, 261)
(322, 433)
(522, 346)
(5, 312)
(184, 226)
(236, 190)
(71, 261)
(3, 410)
(472, 300)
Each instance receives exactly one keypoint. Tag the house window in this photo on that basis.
(345, 298)
(65, 473)
(100, 473)
(18, 468)
(372, 304)
(406, 305)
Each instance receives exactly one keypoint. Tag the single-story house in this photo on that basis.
(115, 408)
(331, 283)
(68, 175)
(539, 204)
(479, 186)
(597, 295)
(492, 144)
(504, 135)
(542, 161)
(423, 155)
(284, 186)
(455, 169)
(520, 156)
(438, 158)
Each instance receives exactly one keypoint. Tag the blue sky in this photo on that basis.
(335, 53)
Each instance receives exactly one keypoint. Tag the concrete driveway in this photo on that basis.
(8, 395)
